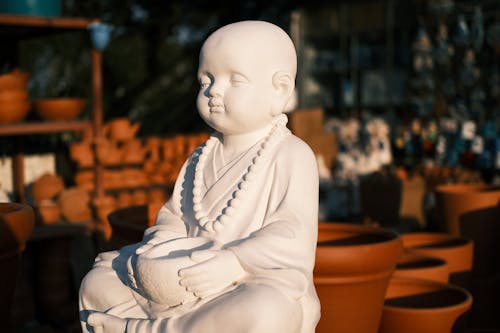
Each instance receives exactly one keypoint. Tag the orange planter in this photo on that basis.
(417, 306)
(453, 201)
(412, 265)
(59, 109)
(457, 251)
(473, 211)
(353, 267)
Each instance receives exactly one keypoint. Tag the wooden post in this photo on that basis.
(18, 171)
(97, 109)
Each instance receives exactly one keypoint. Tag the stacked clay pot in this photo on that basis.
(458, 252)
(352, 270)
(418, 305)
(45, 190)
(14, 99)
(414, 265)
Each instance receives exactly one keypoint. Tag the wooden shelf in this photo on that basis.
(43, 127)
(40, 21)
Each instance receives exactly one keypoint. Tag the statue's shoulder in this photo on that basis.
(294, 149)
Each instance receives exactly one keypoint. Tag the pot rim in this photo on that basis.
(396, 309)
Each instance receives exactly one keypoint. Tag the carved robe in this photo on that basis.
(272, 233)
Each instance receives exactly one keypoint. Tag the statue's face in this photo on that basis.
(236, 90)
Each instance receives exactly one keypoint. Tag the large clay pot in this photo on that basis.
(16, 225)
(473, 211)
(417, 306)
(14, 111)
(353, 266)
(15, 80)
(413, 265)
(454, 200)
(457, 251)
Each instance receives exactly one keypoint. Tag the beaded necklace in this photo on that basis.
(243, 185)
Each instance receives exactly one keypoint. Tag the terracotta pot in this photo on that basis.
(413, 265)
(16, 225)
(457, 251)
(82, 154)
(473, 211)
(15, 80)
(133, 152)
(125, 199)
(49, 212)
(140, 197)
(121, 129)
(46, 187)
(16, 222)
(417, 306)
(108, 153)
(453, 201)
(14, 111)
(74, 203)
(85, 180)
(353, 266)
(153, 146)
(13, 96)
(59, 109)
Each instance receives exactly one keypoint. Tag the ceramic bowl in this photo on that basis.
(13, 96)
(157, 271)
(59, 109)
(15, 80)
(14, 111)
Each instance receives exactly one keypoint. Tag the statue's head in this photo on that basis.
(247, 75)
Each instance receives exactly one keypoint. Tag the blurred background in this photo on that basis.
(396, 98)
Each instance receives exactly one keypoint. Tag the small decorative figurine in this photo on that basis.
(233, 249)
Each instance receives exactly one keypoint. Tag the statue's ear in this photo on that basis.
(283, 84)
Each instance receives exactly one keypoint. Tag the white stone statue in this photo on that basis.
(233, 249)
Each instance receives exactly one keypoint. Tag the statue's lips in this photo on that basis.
(216, 109)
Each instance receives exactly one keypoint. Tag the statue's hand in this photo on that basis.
(214, 271)
(105, 323)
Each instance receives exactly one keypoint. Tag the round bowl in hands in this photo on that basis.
(156, 271)
(59, 109)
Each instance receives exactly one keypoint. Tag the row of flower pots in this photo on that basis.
(394, 283)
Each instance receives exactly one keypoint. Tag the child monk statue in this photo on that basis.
(245, 201)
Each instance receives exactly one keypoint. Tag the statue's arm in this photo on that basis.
(285, 246)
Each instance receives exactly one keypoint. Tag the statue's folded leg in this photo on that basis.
(249, 308)
(102, 290)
